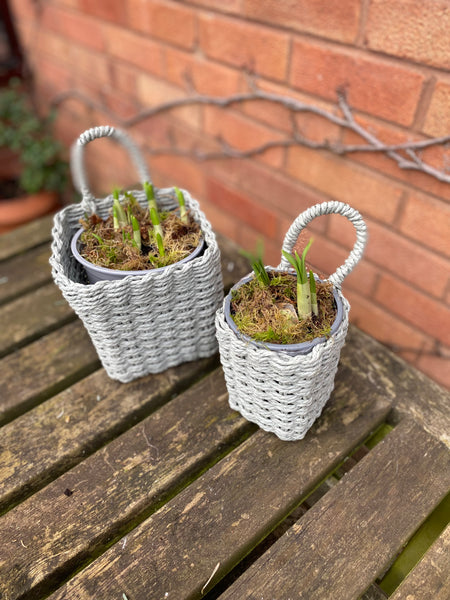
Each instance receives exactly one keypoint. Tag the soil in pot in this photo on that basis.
(112, 248)
(268, 313)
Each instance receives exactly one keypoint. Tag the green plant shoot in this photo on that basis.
(160, 243)
(181, 202)
(136, 232)
(157, 230)
(119, 216)
(303, 285)
(150, 193)
(257, 265)
(313, 289)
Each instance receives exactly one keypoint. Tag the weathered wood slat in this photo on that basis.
(412, 393)
(63, 524)
(44, 368)
(430, 578)
(232, 507)
(41, 311)
(24, 272)
(23, 238)
(352, 534)
(59, 433)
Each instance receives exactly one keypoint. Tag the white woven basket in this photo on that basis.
(280, 392)
(143, 323)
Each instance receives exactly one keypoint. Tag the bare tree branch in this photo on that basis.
(347, 121)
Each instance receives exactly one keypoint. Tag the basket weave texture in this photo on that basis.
(143, 323)
(281, 393)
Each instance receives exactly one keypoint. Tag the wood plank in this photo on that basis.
(24, 273)
(411, 392)
(61, 526)
(374, 593)
(44, 368)
(430, 578)
(232, 507)
(353, 533)
(59, 433)
(41, 311)
(23, 238)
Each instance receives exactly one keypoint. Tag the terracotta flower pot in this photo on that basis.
(23, 209)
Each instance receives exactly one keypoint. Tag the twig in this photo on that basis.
(216, 568)
(346, 121)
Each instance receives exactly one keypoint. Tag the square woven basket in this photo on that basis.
(143, 323)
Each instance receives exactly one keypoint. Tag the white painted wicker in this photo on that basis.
(279, 392)
(143, 323)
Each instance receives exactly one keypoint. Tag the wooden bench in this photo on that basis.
(156, 489)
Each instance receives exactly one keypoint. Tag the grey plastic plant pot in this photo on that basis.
(291, 349)
(96, 273)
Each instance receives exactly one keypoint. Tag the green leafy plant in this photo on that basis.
(136, 237)
(182, 204)
(257, 264)
(306, 286)
(31, 139)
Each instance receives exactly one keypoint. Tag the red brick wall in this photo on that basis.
(392, 58)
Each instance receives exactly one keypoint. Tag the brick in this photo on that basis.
(416, 308)
(427, 221)
(384, 327)
(249, 239)
(410, 29)
(271, 187)
(323, 69)
(170, 22)
(437, 121)
(334, 20)
(221, 220)
(54, 76)
(108, 165)
(23, 9)
(257, 49)
(242, 207)
(106, 10)
(436, 156)
(74, 26)
(134, 49)
(152, 91)
(123, 78)
(399, 256)
(339, 179)
(227, 6)
(179, 171)
(277, 115)
(242, 134)
(68, 3)
(206, 77)
(82, 61)
(436, 367)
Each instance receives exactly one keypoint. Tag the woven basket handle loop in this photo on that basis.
(77, 165)
(328, 208)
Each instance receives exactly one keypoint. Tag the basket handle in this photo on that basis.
(327, 208)
(77, 165)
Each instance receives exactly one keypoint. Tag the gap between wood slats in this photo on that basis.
(308, 502)
(50, 439)
(416, 547)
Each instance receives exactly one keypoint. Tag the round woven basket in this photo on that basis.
(280, 389)
(142, 323)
